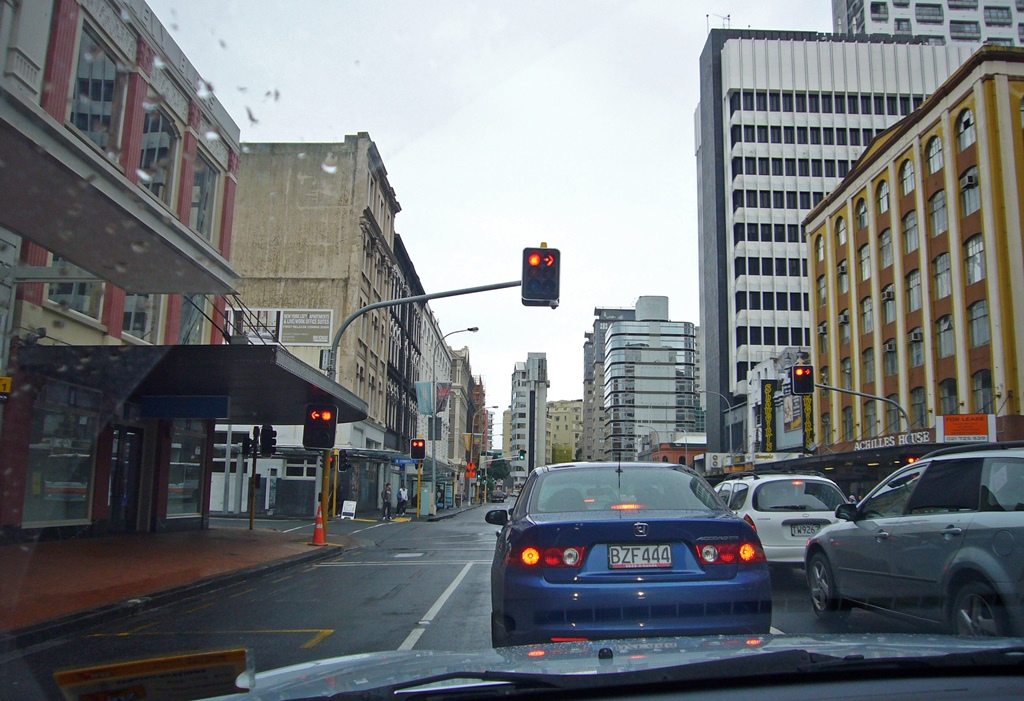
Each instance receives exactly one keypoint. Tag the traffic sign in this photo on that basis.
(404, 461)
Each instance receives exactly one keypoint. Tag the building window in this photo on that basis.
(139, 316)
(867, 317)
(918, 408)
(885, 249)
(916, 348)
(934, 154)
(844, 328)
(929, 14)
(826, 428)
(823, 340)
(862, 214)
(941, 276)
(83, 297)
(970, 197)
(964, 30)
(847, 424)
(974, 259)
(882, 197)
(159, 150)
(890, 361)
(822, 294)
(981, 392)
(846, 373)
(190, 333)
(185, 476)
(977, 318)
(204, 192)
(944, 336)
(870, 419)
(880, 11)
(913, 280)
(937, 213)
(819, 247)
(864, 262)
(902, 26)
(892, 414)
(911, 239)
(949, 402)
(97, 102)
(965, 135)
(840, 233)
(816, 170)
(842, 277)
(788, 135)
(907, 177)
(889, 304)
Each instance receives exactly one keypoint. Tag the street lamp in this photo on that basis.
(433, 400)
(729, 404)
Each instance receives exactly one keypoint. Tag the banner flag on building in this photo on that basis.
(443, 390)
(423, 398)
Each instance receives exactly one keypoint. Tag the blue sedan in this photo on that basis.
(610, 550)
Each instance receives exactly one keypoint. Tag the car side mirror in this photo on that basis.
(847, 512)
(498, 517)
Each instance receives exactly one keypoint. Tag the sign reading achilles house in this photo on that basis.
(916, 438)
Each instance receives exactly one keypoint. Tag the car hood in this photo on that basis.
(589, 663)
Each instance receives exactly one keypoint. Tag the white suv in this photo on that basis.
(784, 508)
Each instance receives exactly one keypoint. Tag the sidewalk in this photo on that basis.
(55, 586)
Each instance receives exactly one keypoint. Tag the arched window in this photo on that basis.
(918, 407)
(949, 401)
(944, 336)
(974, 259)
(970, 195)
(965, 135)
(840, 232)
(819, 247)
(862, 214)
(934, 155)
(907, 177)
(981, 391)
(977, 319)
(882, 197)
(885, 249)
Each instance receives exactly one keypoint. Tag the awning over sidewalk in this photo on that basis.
(62, 194)
(263, 384)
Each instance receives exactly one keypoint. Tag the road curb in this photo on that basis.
(453, 515)
(82, 620)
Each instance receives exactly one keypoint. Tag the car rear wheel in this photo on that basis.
(977, 612)
(825, 599)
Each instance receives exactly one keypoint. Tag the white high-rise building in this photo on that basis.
(939, 21)
(782, 118)
(528, 426)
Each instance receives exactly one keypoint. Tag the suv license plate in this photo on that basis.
(804, 529)
(621, 557)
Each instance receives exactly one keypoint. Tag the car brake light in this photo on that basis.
(626, 507)
(569, 640)
(571, 556)
(750, 521)
(730, 553)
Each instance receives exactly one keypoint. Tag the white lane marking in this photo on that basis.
(416, 632)
(775, 631)
(298, 527)
(409, 555)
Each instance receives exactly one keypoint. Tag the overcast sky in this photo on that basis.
(502, 124)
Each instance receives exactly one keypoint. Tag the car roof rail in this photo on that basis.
(757, 474)
(973, 448)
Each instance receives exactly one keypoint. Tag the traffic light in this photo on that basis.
(522, 455)
(801, 379)
(342, 461)
(540, 277)
(417, 449)
(320, 426)
(246, 446)
(268, 440)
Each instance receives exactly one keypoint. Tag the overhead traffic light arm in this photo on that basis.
(894, 403)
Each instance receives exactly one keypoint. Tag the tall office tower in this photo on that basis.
(940, 22)
(782, 117)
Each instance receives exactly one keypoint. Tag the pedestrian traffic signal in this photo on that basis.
(246, 446)
(268, 440)
(417, 449)
(342, 461)
(320, 426)
(540, 276)
(801, 379)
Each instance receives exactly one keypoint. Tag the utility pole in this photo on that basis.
(252, 477)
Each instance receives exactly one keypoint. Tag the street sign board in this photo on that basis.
(404, 461)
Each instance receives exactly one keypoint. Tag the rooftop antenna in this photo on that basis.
(726, 21)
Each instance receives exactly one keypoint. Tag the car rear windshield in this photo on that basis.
(622, 489)
(797, 495)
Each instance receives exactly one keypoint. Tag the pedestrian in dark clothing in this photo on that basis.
(386, 498)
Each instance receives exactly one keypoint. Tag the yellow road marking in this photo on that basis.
(200, 608)
(242, 593)
(319, 633)
(134, 631)
(280, 579)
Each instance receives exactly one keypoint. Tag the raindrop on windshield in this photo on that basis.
(203, 89)
(140, 246)
(330, 164)
(144, 175)
(158, 63)
(212, 135)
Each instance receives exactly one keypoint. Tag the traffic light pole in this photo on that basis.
(868, 396)
(252, 477)
(332, 367)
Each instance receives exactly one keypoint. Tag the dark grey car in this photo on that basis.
(941, 539)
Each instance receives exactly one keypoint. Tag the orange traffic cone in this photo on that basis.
(318, 529)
